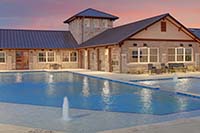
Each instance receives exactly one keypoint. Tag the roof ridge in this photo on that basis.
(136, 27)
(81, 14)
(165, 14)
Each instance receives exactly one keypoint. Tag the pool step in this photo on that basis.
(188, 94)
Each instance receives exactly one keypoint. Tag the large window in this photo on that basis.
(96, 23)
(50, 56)
(70, 56)
(73, 56)
(46, 56)
(105, 23)
(143, 55)
(42, 57)
(179, 54)
(65, 56)
(2, 57)
(87, 22)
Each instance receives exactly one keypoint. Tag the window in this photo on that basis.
(143, 55)
(87, 22)
(188, 54)
(65, 56)
(73, 56)
(50, 56)
(96, 23)
(105, 23)
(46, 56)
(2, 57)
(171, 55)
(134, 56)
(42, 56)
(153, 55)
(179, 54)
(163, 26)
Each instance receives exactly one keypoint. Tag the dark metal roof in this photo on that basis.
(118, 34)
(92, 13)
(196, 31)
(34, 39)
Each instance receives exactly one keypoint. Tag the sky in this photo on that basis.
(50, 14)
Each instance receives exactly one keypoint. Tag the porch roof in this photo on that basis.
(36, 39)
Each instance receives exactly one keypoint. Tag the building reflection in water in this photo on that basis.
(51, 87)
(86, 89)
(146, 99)
(106, 97)
(18, 78)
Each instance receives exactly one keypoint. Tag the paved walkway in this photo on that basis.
(178, 126)
(19, 129)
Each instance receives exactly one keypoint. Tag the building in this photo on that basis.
(93, 43)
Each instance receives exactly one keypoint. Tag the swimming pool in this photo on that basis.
(183, 84)
(83, 92)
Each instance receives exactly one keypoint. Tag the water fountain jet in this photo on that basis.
(175, 78)
(65, 110)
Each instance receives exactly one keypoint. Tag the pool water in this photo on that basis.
(83, 92)
(185, 84)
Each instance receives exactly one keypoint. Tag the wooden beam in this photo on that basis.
(147, 39)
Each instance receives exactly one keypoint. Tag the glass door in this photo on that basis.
(22, 60)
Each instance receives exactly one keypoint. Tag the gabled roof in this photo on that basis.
(196, 31)
(118, 34)
(121, 33)
(36, 39)
(92, 13)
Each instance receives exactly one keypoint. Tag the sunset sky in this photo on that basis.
(50, 14)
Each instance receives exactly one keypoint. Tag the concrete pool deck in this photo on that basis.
(5, 128)
(179, 125)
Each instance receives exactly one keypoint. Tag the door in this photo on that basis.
(22, 60)
(102, 59)
(82, 59)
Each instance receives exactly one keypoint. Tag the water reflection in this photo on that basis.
(18, 78)
(86, 89)
(182, 85)
(146, 99)
(50, 78)
(106, 88)
(182, 103)
(51, 87)
(106, 95)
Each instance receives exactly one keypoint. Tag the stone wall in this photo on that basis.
(82, 31)
(108, 60)
(163, 53)
(10, 63)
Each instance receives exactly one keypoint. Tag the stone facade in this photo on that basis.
(34, 63)
(114, 57)
(85, 28)
(162, 46)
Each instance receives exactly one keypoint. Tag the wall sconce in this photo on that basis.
(145, 45)
(190, 45)
(135, 44)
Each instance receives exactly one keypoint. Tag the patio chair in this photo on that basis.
(173, 67)
(55, 66)
(151, 68)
